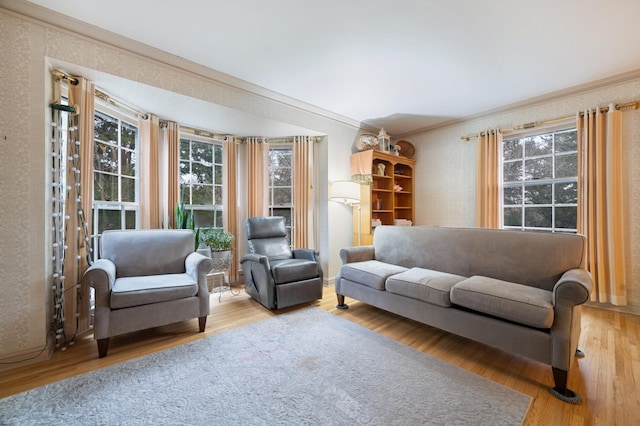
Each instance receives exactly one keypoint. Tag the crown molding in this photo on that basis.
(552, 96)
(55, 20)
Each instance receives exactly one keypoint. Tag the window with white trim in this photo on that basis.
(540, 181)
(115, 171)
(281, 185)
(201, 171)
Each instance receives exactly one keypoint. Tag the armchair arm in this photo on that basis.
(308, 254)
(101, 276)
(198, 266)
(573, 288)
(357, 254)
(258, 280)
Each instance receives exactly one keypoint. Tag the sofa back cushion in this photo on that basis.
(147, 252)
(531, 258)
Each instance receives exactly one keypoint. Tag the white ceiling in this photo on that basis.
(398, 64)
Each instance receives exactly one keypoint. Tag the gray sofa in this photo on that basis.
(145, 279)
(517, 291)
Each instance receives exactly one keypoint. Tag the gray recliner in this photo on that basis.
(275, 275)
(147, 278)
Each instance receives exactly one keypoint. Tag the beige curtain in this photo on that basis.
(488, 180)
(149, 173)
(303, 197)
(230, 184)
(81, 96)
(171, 185)
(601, 216)
(257, 164)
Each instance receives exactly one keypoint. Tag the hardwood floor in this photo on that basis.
(608, 378)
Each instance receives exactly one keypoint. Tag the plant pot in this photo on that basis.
(221, 260)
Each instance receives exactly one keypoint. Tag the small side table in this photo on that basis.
(217, 282)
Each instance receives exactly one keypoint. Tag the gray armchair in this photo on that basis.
(145, 279)
(275, 275)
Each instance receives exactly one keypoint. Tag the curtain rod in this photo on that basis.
(197, 132)
(108, 99)
(100, 94)
(620, 107)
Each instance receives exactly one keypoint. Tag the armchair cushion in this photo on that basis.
(289, 270)
(144, 290)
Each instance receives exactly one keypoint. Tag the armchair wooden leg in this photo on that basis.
(103, 345)
(341, 304)
(202, 322)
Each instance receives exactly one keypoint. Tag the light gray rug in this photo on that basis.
(306, 367)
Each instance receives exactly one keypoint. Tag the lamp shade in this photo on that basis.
(345, 191)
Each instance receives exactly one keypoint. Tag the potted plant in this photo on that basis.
(221, 244)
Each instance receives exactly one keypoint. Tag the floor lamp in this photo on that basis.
(347, 192)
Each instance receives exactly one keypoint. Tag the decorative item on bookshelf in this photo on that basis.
(384, 142)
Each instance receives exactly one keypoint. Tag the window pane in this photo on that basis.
(184, 149)
(567, 165)
(538, 145)
(219, 221)
(566, 193)
(105, 187)
(282, 197)
(566, 141)
(128, 160)
(202, 195)
(218, 175)
(217, 154)
(566, 217)
(109, 219)
(186, 177)
(105, 128)
(537, 217)
(130, 219)
(537, 194)
(201, 173)
(128, 190)
(512, 171)
(128, 136)
(513, 216)
(512, 195)
(105, 157)
(202, 152)
(512, 149)
(218, 199)
(204, 218)
(538, 168)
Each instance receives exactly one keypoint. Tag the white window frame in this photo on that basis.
(216, 208)
(552, 181)
(123, 206)
(273, 208)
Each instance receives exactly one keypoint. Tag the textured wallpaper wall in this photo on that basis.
(28, 48)
(446, 165)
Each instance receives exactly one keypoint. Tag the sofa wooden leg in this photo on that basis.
(103, 346)
(202, 322)
(560, 390)
(341, 304)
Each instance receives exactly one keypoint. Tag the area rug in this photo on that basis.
(306, 367)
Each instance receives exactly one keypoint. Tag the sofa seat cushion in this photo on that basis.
(290, 270)
(514, 302)
(144, 290)
(371, 273)
(425, 285)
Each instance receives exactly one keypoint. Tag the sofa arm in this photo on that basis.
(573, 288)
(357, 254)
(198, 266)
